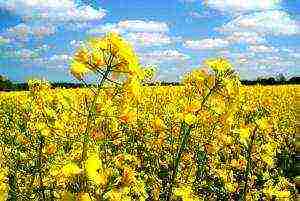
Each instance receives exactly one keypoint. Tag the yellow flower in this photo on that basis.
(271, 189)
(3, 185)
(219, 64)
(158, 124)
(94, 169)
(269, 150)
(45, 132)
(244, 134)
(114, 195)
(82, 55)
(128, 176)
(50, 149)
(183, 191)
(78, 69)
(113, 44)
(118, 195)
(283, 194)
(186, 193)
(128, 116)
(67, 196)
(83, 197)
(190, 119)
(43, 128)
(231, 186)
(71, 169)
(133, 86)
(263, 124)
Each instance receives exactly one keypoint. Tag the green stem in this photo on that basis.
(248, 167)
(90, 115)
(92, 108)
(12, 181)
(186, 129)
(39, 166)
(186, 132)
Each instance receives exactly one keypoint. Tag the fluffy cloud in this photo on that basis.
(243, 5)
(61, 58)
(102, 29)
(206, 44)
(24, 54)
(56, 61)
(43, 48)
(130, 26)
(246, 37)
(20, 31)
(76, 44)
(41, 31)
(140, 33)
(262, 49)
(268, 67)
(266, 61)
(295, 55)
(23, 31)
(148, 39)
(161, 56)
(41, 17)
(52, 10)
(143, 26)
(265, 23)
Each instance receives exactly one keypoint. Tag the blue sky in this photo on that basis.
(260, 38)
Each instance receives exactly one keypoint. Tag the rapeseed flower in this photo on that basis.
(71, 169)
(78, 69)
(95, 171)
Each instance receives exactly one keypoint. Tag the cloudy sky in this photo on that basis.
(260, 37)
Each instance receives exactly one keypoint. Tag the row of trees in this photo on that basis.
(7, 85)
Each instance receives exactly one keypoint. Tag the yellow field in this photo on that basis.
(209, 139)
(131, 150)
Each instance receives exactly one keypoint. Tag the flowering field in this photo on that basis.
(209, 139)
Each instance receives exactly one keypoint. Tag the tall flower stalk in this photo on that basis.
(243, 194)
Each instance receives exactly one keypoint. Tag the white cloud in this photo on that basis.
(265, 23)
(130, 26)
(61, 58)
(20, 31)
(23, 31)
(243, 5)
(56, 61)
(266, 61)
(143, 26)
(269, 67)
(161, 56)
(76, 43)
(206, 44)
(102, 29)
(295, 55)
(24, 54)
(262, 49)
(140, 33)
(43, 48)
(52, 10)
(148, 39)
(287, 50)
(252, 38)
(41, 31)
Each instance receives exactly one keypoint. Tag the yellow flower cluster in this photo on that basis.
(4, 188)
(123, 141)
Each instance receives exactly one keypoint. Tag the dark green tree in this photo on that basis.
(5, 84)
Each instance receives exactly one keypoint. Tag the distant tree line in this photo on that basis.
(279, 80)
(7, 85)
